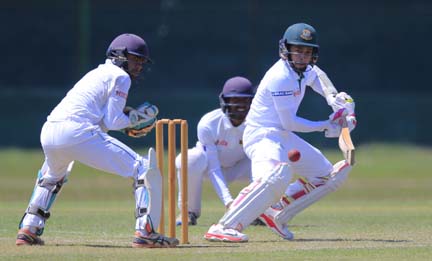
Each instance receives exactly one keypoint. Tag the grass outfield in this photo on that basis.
(383, 212)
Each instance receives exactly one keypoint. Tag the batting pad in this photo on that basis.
(148, 196)
(256, 197)
(336, 179)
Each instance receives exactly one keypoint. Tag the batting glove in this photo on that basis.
(343, 100)
(336, 121)
(351, 122)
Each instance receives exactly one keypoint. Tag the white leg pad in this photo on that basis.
(41, 198)
(336, 179)
(148, 195)
(256, 197)
(44, 195)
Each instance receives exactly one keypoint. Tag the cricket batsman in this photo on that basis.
(76, 130)
(269, 136)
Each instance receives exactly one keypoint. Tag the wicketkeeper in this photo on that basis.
(76, 130)
(269, 136)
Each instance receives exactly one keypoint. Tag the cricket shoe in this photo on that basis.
(217, 233)
(25, 237)
(153, 240)
(268, 218)
(192, 219)
(257, 222)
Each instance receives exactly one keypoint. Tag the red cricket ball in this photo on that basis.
(293, 155)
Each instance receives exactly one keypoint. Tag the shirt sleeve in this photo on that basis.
(286, 108)
(208, 140)
(220, 186)
(323, 85)
(114, 118)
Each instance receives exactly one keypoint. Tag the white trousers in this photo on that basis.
(198, 168)
(97, 149)
(267, 147)
(64, 142)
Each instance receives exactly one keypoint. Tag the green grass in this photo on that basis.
(383, 212)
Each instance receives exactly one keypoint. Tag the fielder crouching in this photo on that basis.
(76, 131)
(219, 153)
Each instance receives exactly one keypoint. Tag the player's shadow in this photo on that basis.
(220, 245)
(342, 239)
(339, 240)
(351, 240)
(211, 245)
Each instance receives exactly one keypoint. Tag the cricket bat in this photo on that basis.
(346, 145)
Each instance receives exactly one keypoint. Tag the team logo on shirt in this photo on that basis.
(121, 94)
(286, 93)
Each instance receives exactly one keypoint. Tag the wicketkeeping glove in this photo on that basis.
(142, 120)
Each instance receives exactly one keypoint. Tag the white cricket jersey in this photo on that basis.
(278, 98)
(96, 102)
(97, 99)
(216, 133)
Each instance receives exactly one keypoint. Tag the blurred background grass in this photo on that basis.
(383, 170)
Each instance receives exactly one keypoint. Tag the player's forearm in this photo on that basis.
(117, 122)
(216, 176)
(293, 123)
(328, 90)
(114, 118)
(220, 186)
(213, 162)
